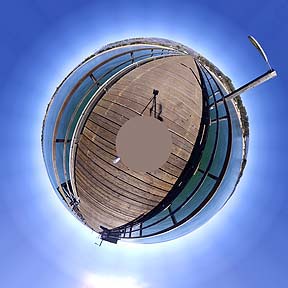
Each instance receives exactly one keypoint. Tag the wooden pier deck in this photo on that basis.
(111, 194)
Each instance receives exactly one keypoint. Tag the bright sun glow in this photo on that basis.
(93, 281)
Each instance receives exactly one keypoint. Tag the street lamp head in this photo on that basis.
(260, 49)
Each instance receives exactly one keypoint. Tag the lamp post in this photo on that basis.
(271, 73)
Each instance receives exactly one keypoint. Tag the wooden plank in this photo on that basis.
(101, 132)
(121, 119)
(104, 123)
(120, 179)
(190, 134)
(106, 159)
(120, 201)
(170, 115)
(111, 199)
(105, 202)
(184, 144)
(95, 217)
(111, 148)
(141, 95)
(131, 196)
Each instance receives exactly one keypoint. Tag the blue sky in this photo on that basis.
(42, 245)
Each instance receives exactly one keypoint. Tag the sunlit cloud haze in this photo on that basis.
(109, 281)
